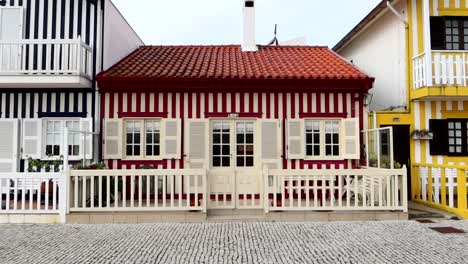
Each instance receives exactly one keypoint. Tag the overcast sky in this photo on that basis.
(172, 22)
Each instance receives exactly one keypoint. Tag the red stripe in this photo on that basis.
(327, 103)
(138, 102)
(260, 104)
(345, 104)
(301, 102)
(242, 101)
(174, 99)
(182, 113)
(353, 105)
(318, 97)
(190, 107)
(224, 103)
(129, 102)
(111, 105)
(309, 102)
(251, 102)
(301, 164)
(293, 105)
(268, 105)
(165, 103)
(215, 102)
(233, 102)
(276, 101)
(207, 102)
(335, 102)
(197, 105)
(147, 102)
(285, 161)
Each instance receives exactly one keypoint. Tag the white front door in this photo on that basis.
(11, 34)
(234, 176)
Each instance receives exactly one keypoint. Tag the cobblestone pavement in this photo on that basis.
(340, 242)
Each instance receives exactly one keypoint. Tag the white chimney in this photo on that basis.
(248, 42)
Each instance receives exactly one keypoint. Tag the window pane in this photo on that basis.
(216, 138)
(216, 150)
(249, 162)
(129, 151)
(309, 150)
(149, 150)
(76, 150)
(328, 150)
(225, 138)
(240, 150)
(216, 161)
(249, 150)
(240, 138)
(226, 150)
(240, 161)
(226, 162)
(137, 138)
(156, 150)
(317, 150)
(309, 138)
(136, 150)
(56, 151)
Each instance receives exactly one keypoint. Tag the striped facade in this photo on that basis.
(205, 105)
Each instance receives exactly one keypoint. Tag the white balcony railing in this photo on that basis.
(449, 68)
(46, 57)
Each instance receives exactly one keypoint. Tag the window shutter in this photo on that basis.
(86, 124)
(351, 142)
(271, 143)
(171, 138)
(113, 138)
(32, 139)
(437, 33)
(439, 144)
(197, 139)
(295, 139)
(9, 131)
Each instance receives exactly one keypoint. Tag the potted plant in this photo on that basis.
(422, 135)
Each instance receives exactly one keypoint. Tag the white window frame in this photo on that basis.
(322, 155)
(62, 147)
(142, 155)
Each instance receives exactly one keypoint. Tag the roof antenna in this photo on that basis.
(275, 39)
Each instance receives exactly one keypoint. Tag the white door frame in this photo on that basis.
(232, 173)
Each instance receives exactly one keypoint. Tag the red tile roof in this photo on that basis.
(223, 62)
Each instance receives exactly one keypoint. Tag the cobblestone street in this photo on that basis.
(340, 242)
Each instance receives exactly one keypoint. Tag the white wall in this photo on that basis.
(119, 37)
(380, 50)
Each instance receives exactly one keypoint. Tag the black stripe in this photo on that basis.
(85, 102)
(72, 17)
(12, 2)
(7, 105)
(62, 114)
(23, 106)
(75, 102)
(80, 16)
(54, 20)
(1, 103)
(88, 21)
(31, 105)
(44, 23)
(57, 102)
(39, 102)
(15, 105)
(62, 20)
(67, 102)
(36, 21)
(48, 103)
(20, 2)
(28, 19)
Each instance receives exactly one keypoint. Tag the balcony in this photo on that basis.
(45, 64)
(448, 75)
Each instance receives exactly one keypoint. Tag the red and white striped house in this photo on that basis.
(232, 111)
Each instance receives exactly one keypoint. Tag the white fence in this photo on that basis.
(49, 57)
(138, 190)
(340, 190)
(31, 193)
(449, 68)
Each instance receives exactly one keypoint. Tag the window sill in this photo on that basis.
(323, 158)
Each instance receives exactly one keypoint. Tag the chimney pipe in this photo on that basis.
(248, 42)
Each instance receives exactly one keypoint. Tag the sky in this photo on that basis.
(204, 22)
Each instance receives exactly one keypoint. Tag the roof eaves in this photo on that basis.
(362, 24)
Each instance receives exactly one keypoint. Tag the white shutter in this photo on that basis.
(11, 30)
(32, 139)
(197, 142)
(350, 138)
(270, 143)
(86, 124)
(112, 148)
(295, 139)
(171, 138)
(9, 131)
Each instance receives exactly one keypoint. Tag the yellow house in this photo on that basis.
(418, 52)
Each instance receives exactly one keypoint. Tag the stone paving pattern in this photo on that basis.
(235, 242)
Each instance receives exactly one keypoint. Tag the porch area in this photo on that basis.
(79, 196)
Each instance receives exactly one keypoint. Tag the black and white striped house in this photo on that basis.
(50, 53)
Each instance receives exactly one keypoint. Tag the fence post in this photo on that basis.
(266, 193)
(404, 185)
(63, 182)
(205, 190)
(461, 192)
